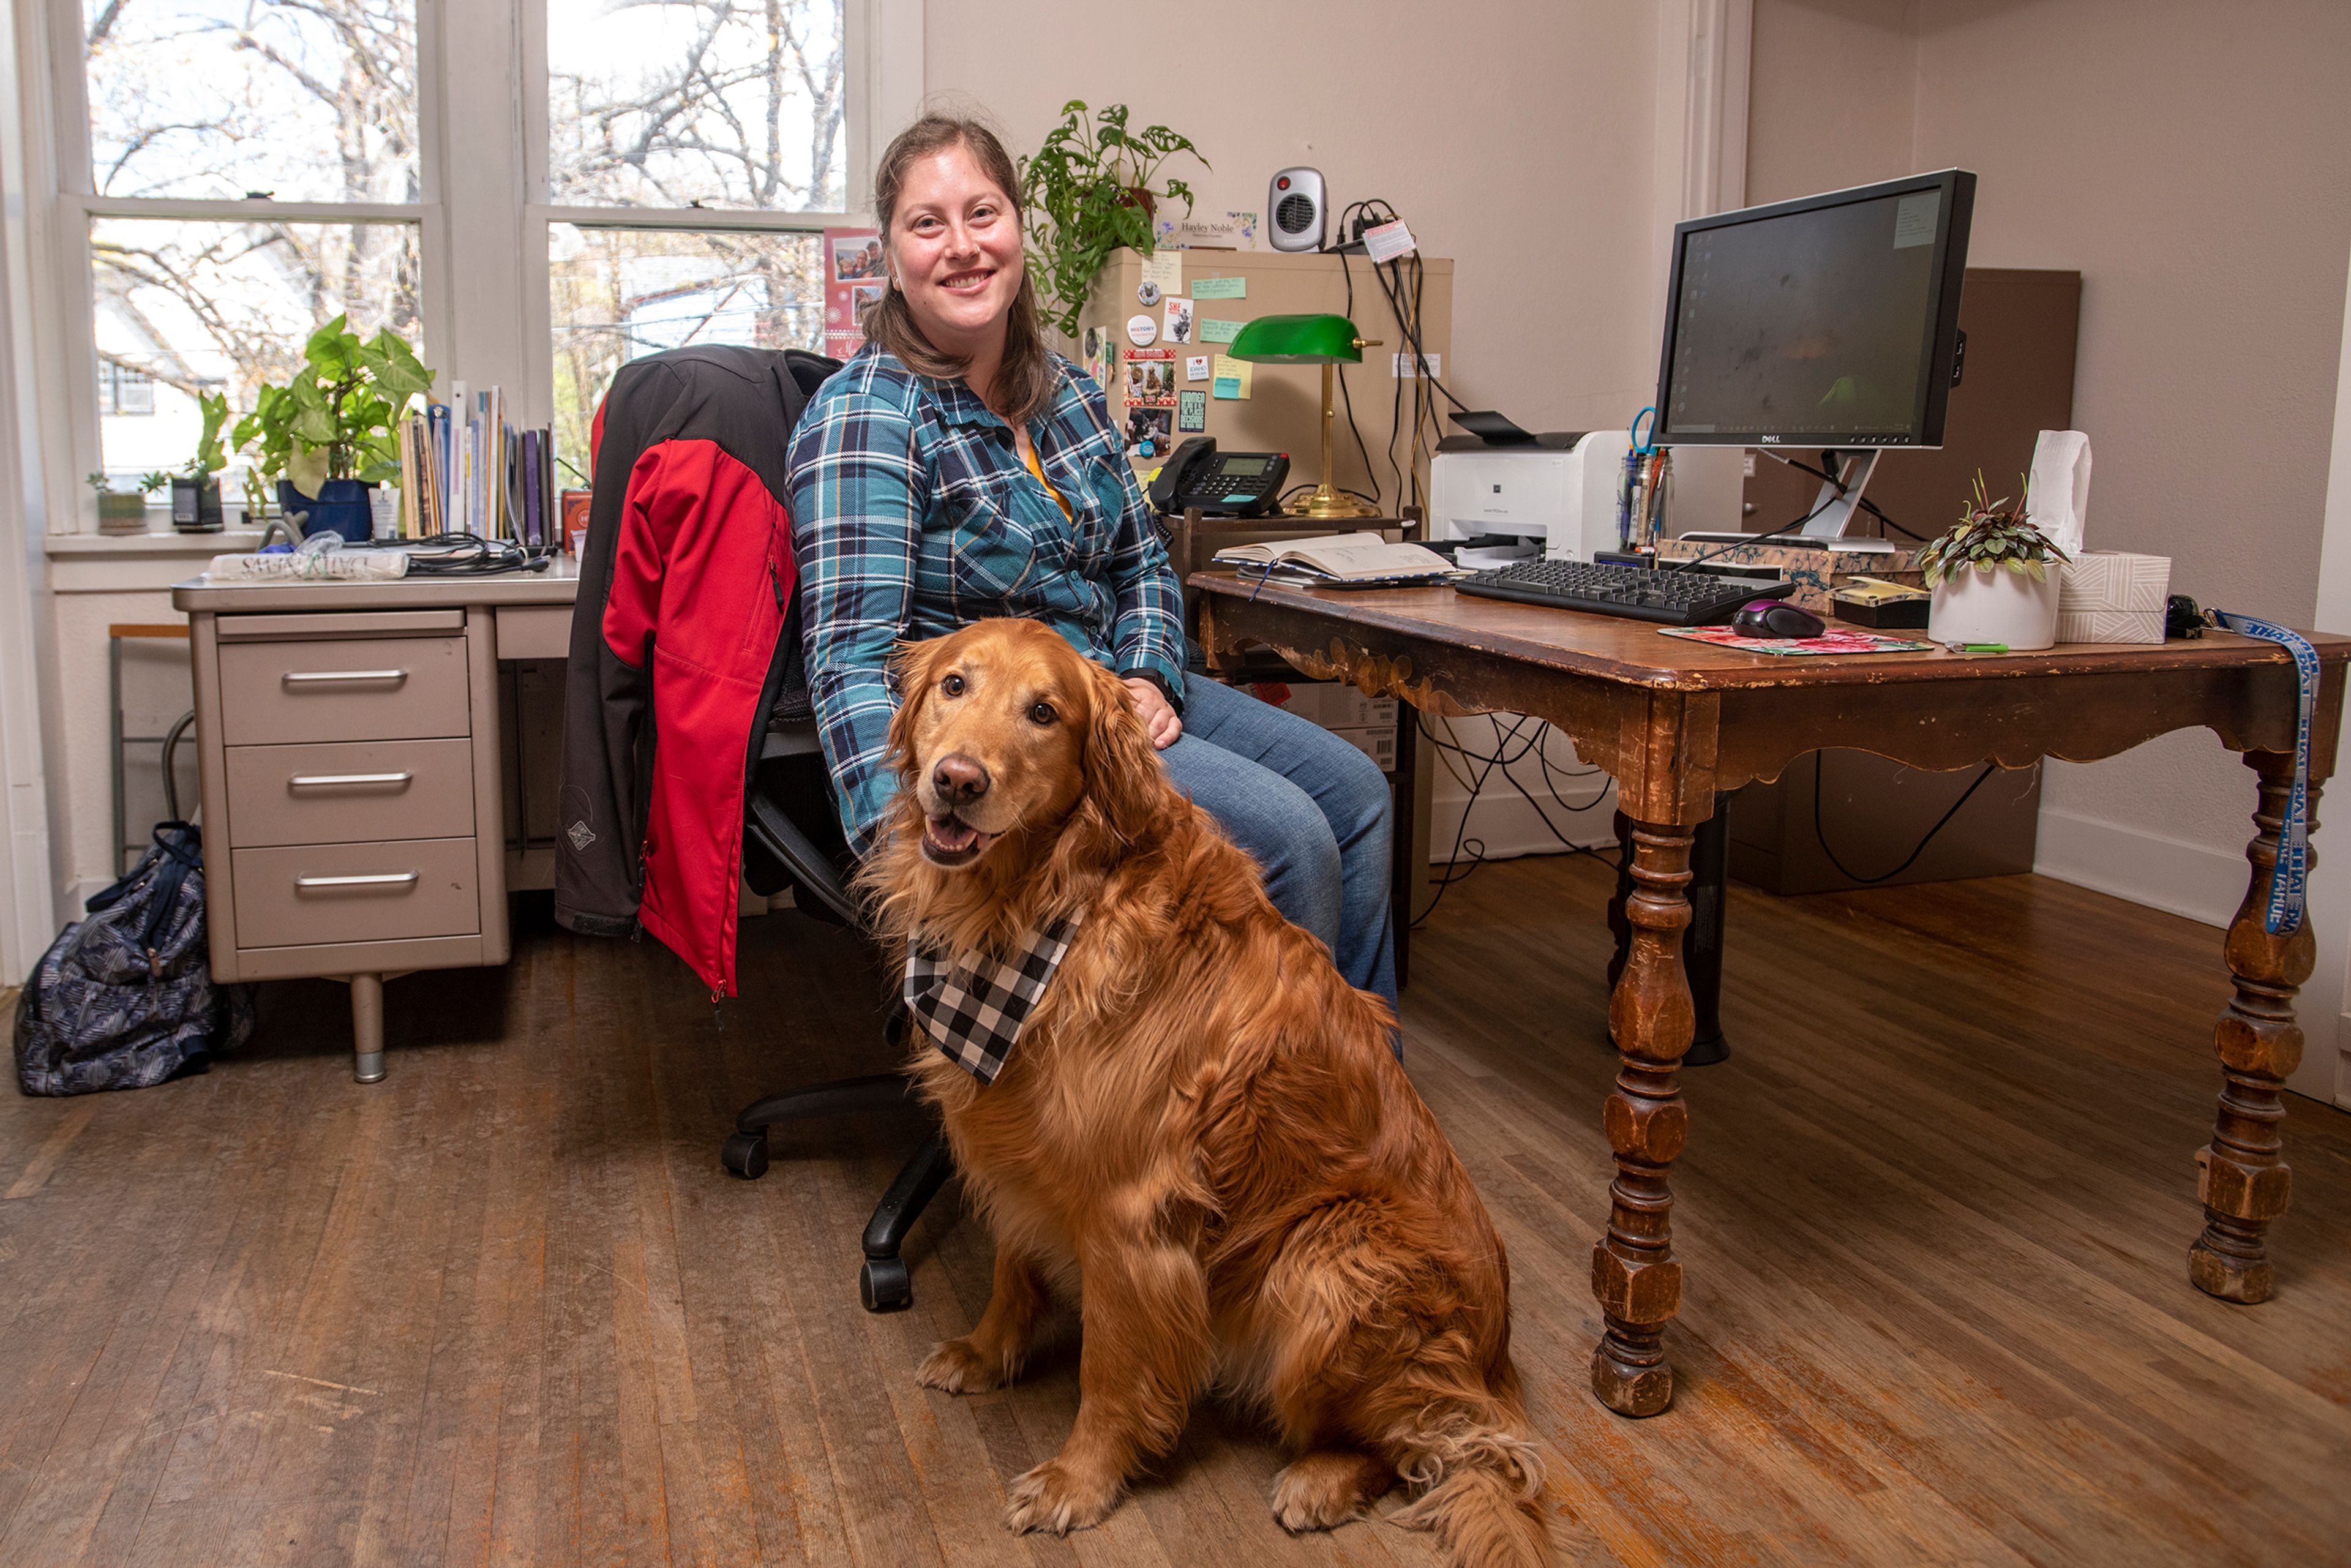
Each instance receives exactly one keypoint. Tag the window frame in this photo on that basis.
(487, 310)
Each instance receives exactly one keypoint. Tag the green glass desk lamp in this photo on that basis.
(1326, 341)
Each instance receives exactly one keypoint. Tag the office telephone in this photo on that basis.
(1220, 484)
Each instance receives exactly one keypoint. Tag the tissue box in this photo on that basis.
(2110, 596)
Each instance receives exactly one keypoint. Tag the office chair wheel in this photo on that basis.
(746, 1155)
(883, 1286)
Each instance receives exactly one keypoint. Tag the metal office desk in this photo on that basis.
(355, 793)
(1674, 722)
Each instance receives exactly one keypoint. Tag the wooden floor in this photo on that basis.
(505, 1306)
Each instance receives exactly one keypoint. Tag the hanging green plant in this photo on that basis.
(1088, 191)
(1988, 535)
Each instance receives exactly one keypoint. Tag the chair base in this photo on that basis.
(883, 1282)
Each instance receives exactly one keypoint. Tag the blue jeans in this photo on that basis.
(1312, 811)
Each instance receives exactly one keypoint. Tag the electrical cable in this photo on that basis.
(1501, 756)
(1818, 833)
(470, 555)
(1749, 539)
(1370, 474)
(1866, 504)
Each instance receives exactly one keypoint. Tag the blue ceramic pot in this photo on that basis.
(341, 507)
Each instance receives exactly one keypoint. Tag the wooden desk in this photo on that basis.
(354, 774)
(1675, 721)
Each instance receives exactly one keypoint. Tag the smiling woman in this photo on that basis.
(958, 469)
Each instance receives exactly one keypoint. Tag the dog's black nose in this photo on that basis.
(958, 777)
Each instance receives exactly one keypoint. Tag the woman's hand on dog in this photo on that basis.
(1158, 719)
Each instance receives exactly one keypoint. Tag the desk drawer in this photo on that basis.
(337, 794)
(377, 688)
(355, 893)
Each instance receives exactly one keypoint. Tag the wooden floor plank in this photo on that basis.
(506, 1308)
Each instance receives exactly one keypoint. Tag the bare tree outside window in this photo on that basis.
(728, 104)
(270, 101)
(695, 103)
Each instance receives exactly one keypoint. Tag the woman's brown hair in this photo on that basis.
(1025, 380)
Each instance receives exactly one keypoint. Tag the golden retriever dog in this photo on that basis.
(1202, 1136)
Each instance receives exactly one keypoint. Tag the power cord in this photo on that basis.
(1502, 756)
(1866, 504)
(1908, 860)
(471, 555)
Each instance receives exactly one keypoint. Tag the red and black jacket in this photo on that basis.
(677, 645)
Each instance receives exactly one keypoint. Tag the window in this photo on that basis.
(658, 116)
(288, 109)
(233, 174)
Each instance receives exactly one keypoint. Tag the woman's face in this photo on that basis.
(955, 249)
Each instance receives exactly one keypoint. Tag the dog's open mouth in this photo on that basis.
(949, 840)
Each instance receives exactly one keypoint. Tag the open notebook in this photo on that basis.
(1338, 558)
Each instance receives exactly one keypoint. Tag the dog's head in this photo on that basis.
(1004, 730)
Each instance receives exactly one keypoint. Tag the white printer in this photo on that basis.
(1558, 488)
(1562, 489)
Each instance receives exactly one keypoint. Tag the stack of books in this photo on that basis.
(464, 470)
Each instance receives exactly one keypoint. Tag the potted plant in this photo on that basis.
(119, 511)
(329, 435)
(1991, 579)
(195, 494)
(1088, 191)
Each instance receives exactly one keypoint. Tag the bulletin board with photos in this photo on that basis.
(1155, 336)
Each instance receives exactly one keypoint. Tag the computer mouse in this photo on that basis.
(1776, 618)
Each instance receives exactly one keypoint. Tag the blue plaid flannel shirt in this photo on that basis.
(913, 515)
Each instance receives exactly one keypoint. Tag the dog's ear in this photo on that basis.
(914, 672)
(1124, 780)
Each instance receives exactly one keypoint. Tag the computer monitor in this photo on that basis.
(1831, 321)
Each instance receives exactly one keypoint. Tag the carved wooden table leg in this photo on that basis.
(2242, 1177)
(1634, 1273)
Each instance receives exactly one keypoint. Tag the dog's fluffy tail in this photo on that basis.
(1481, 1485)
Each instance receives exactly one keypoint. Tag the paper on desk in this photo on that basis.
(2057, 497)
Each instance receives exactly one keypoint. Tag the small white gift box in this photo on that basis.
(2112, 595)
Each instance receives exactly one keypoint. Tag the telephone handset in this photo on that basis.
(1220, 484)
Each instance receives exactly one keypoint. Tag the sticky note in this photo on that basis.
(1220, 288)
(1165, 268)
(1232, 377)
(1212, 331)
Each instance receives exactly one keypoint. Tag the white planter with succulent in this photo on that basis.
(1991, 579)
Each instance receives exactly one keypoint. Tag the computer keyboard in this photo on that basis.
(1607, 588)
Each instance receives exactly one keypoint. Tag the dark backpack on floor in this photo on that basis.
(125, 998)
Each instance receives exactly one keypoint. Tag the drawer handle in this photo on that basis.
(321, 677)
(322, 780)
(380, 879)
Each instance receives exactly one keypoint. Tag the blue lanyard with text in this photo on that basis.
(2283, 915)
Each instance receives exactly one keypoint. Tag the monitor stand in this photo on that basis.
(1832, 512)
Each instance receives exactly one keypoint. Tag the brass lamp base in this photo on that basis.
(1326, 502)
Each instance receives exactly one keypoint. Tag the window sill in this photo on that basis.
(135, 563)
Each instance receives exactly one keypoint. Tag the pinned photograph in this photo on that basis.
(1179, 320)
(1150, 381)
(857, 258)
(861, 297)
(1148, 430)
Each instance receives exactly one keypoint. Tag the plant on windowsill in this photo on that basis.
(1991, 579)
(1088, 191)
(119, 511)
(331, 432)
(195, 494)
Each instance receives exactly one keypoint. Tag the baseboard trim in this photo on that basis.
(2191, 880)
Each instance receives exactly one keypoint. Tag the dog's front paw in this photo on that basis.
(955, 1367)
(1056, 1496)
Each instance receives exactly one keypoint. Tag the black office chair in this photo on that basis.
(792, 837)
(749, 399)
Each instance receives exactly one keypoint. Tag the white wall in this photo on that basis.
(2192, 161)
(1516, 138)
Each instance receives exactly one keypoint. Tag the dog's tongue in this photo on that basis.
(951, 835)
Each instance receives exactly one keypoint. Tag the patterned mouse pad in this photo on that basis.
(1798, 647)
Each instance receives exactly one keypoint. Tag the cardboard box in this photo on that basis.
(1377, 742)
(1333, 704)
(1815, 572)
(2112, 595)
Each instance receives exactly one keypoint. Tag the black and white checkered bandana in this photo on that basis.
(974, 1010)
